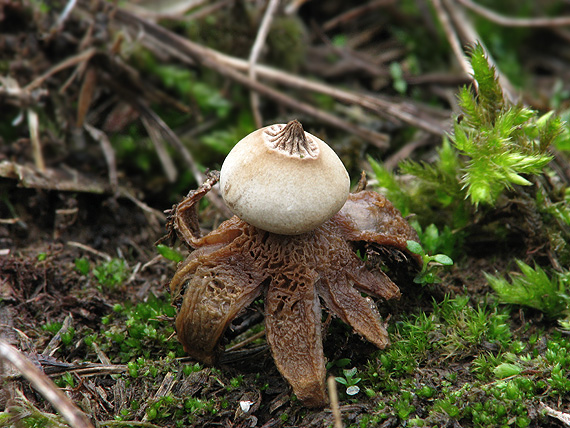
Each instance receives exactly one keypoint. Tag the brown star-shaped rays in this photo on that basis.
(236, 263)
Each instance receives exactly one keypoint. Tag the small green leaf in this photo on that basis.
(82, 266)
(517, 179)
(480, 191)
(397, 74)
(340, 40)
(414, 247)
(169, 253)
(565, 324)
(349, 372)
(341, 380)
(342, 362)
(505, 370)
(443, 259)
(543, 120)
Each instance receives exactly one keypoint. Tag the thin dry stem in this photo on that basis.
(452, 37)
(507, 21)
(191, 52)
(471, 37)
(166, 161)
(247, 341)
(171, 137)
(65, 14)
(407, 113)
(68, 62)
(86, 95)
(206, 11)
(355, 12)
(165, 388)
(158, 38)
(562, 417)
(34, 127)
(91, 250)
(108, 152)
(333, 396)
(56, 340)
(254, 56)
(155, 10)
(44, 385)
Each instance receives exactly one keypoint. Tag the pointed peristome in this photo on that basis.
(292, 140)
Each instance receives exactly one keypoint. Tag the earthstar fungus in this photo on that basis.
(279, 245)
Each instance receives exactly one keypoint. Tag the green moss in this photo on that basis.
(112, 273)
(136, 330)
(505, 383)
(533, 287)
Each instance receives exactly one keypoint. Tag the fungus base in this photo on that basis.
(234, 264)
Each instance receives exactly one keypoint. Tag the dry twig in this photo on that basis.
(12, 93)
(86, 94)
(507, 21)
(55, 341)
(66, 11)
(68, 62)
(333, 395)
(91, 250)
(154, 10)
(247, 341)
(165, 387)
(75, 417)
(470, 38)
(190, 52)
(355, 12)
(162, 40)
(34, 128)
(405, 112)
(452, 37)
(454, 22)
(155, 136)
(108, 152)
(254, 56)
(562, 417)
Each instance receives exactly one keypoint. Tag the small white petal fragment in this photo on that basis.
(352, 390)
(245, 406)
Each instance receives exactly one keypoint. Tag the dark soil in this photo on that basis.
(111, 346)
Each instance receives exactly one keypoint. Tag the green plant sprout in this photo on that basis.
(341, 362)
(169, 253)
(82, 266)
(494, 146)
(533, 287)
(185, 83)
(350, 381)
(428, 273)
(506, 370)
(392, 189)
(502, 142)
(111, 273)
(397, 74)
(139, 330)
(435, 240)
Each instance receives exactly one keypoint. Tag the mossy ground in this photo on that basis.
(457, 356)
(83, 289)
